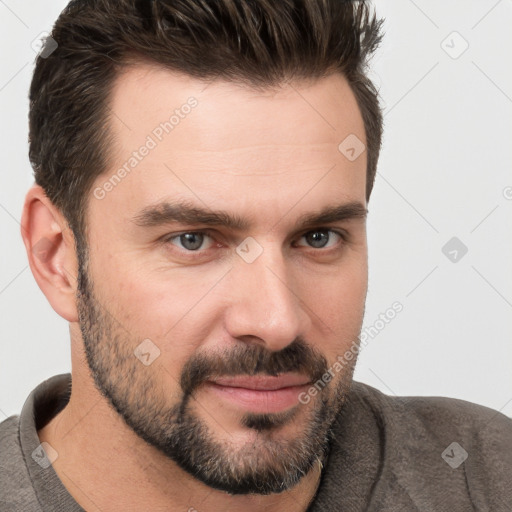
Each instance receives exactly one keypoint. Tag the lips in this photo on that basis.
(262, 382)
(262, 394)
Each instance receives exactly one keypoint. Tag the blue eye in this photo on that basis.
(319, 238)
(190, 241)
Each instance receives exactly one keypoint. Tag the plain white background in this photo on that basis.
(445, 171)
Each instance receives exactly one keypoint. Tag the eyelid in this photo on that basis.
(340, 232)
(167, 238)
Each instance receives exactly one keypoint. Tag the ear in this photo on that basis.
(50, 246)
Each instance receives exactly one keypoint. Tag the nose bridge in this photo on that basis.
(265, 304)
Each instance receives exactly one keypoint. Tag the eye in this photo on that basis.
(190, 241)
(320, 238)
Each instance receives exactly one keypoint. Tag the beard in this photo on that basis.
(267, 464)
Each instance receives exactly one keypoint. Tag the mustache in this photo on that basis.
(251, 359)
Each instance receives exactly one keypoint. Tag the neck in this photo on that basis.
(105, 466)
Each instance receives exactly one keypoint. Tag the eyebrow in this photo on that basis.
(186, 213)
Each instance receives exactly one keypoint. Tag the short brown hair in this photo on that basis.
(261, 43)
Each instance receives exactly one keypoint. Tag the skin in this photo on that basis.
(268, 157)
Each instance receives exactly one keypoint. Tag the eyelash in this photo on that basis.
(200, 253)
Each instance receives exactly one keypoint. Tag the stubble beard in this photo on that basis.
(269, 463)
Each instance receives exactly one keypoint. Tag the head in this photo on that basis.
(197, 152)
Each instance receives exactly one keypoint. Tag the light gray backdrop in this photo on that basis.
(444, 177)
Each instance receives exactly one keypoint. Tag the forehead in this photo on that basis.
(144, 93)
(227, 145)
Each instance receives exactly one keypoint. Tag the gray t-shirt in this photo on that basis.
(388, 454)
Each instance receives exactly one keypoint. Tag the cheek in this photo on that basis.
(144, 301)
(174, 311)
(338, 304)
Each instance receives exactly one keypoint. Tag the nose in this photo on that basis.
(264, 307)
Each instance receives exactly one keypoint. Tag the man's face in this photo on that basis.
(204, 334)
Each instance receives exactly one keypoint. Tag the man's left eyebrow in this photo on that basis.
(346, 211)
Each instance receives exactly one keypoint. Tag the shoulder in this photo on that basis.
(16, 491)
(450, 449)
(438, 415)
(9, 441)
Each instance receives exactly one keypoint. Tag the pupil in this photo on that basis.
(191, 241)
(318, 238)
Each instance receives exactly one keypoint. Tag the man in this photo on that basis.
(203, 171)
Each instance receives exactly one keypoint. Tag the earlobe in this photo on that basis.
(51, 252)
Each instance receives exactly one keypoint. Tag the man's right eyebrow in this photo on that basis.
(186, 213)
